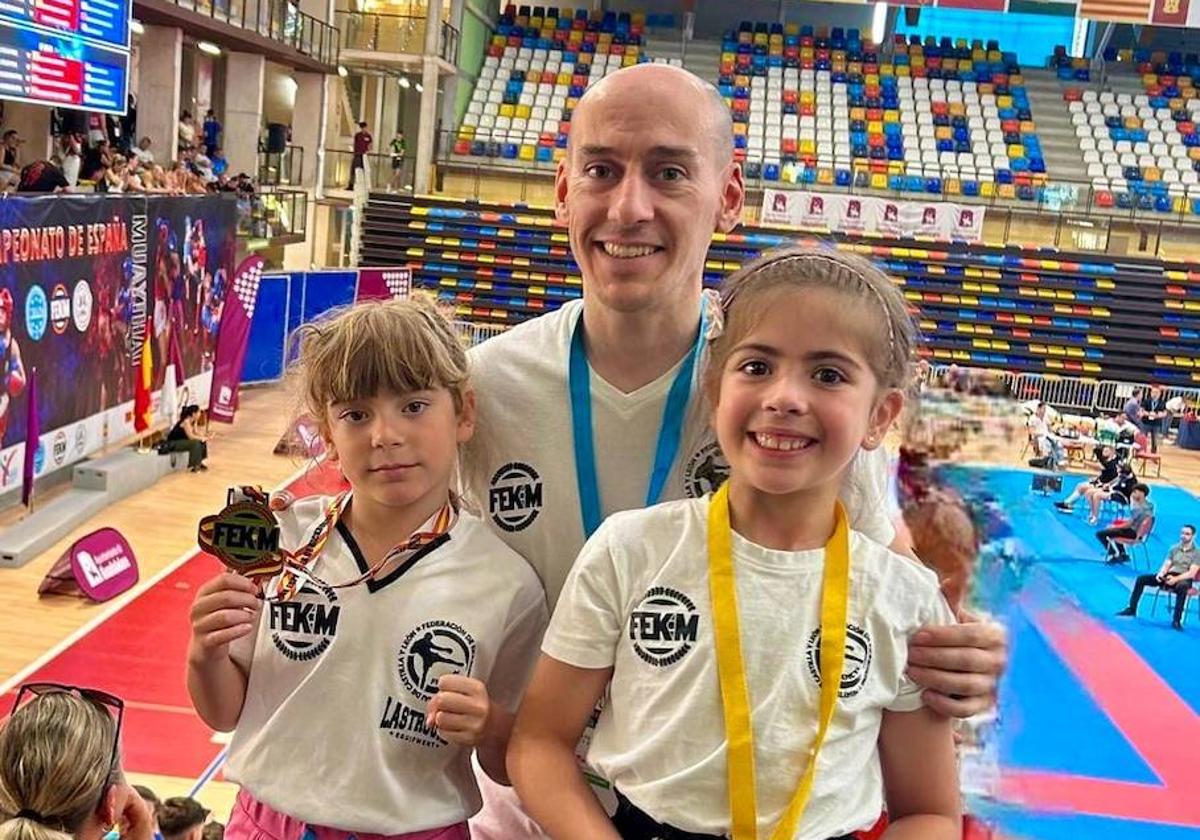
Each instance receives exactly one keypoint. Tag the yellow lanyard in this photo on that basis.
(735, 701)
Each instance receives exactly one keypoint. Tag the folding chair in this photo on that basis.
(1131, 544)
(1193, 594)
(1144, 456)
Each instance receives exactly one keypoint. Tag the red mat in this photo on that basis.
(139, 654)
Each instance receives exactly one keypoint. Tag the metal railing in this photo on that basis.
(371, 32)
(379, 172)
(279, 20)
(274, 215)
(284, 168)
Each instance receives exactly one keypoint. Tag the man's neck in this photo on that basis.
(631, 349)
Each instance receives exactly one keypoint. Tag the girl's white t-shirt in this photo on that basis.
(637, 600)
(333, 730)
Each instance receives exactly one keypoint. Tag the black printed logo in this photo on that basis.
(429, 652)
(856, 665)
(664, 626)
(515, 496)
(304, 627)
(705, 472)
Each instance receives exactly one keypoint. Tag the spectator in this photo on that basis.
(219, 165)
(60, 770)
(42, 176)
(362, 145)
(143, 153)
(213, 831)
(185, 437)
(1154, 412)
(187, 132)
(1177, 573)
(1104, 483)
(182, 818)
(399, 149)
(1133, 409)
(96, 159)
(10, 159)
(1048, 446)
(212, 132)
(72, 157)
(154, 804)
(1140, 510)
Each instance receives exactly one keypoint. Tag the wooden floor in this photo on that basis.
(160, 524)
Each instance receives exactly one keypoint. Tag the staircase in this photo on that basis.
(1060, 146)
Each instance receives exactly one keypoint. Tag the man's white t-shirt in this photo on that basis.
(520, 467)
(637, 600)
(333, 730)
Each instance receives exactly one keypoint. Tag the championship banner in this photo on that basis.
(91, 277)
(383, 283)
(231, 344)
(858, 215)
(1176, 13)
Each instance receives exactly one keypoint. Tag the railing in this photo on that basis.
(1080, 395)
(393, 34)
(279, 20)
(274, 215)
(284, 168)
(380, 174)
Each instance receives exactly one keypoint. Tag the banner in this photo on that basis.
(975, 5)
(1124, 11)
(383, 283)
(1176, 13)
(859, 215)
(231, 345)
(99, 565)
(91, 277)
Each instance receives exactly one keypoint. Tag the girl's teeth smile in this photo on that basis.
(781, 443)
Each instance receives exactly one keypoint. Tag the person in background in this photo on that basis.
(1048, 444)
(185, 437)
(220, 165)
(1140, 509)
(71, 150)
(10, 159)
(362, 146)
(212, 132)
(1177, 573)
(153, 803)
(60, 768)
(1154, 413)
(1133, 409)
(1110, 473)
(399, 149)
(182, 818)
(42, 176)
(213, 831)
(143, 153)
(96, 159)
(187, 132)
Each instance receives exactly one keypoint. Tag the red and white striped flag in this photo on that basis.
(1126, 11)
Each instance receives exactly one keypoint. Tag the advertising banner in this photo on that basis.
(231, 343)
(859, 215)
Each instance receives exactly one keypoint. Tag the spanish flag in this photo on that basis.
(142, 395)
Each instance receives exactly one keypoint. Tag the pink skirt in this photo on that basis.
(252, 820)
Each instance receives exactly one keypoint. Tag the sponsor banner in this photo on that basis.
(99, 566)
(91, 277)
(857, 215)
(1176, 13)
(231, 344)
(383, 283)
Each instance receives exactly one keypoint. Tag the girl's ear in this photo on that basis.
(466, 417)
(886, 410)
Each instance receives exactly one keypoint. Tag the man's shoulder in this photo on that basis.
(539, 340)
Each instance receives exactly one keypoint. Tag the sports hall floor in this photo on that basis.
(1100, 716)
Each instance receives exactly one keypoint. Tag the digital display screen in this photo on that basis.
(103, 22)
(58, 71)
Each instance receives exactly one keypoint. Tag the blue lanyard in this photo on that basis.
(670, 433)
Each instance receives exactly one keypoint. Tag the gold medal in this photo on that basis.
(244, 535)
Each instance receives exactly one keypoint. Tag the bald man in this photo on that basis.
(594, 408)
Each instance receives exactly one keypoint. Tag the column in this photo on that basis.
(160, 65)
(244, 80)
(309, 123)
(427, 125)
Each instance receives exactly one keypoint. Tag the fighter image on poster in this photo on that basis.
(12, 371)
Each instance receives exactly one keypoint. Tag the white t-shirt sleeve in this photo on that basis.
(586, 624)
(864, 492)
(518, 651)
(934, 612)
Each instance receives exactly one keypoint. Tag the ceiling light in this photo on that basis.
(420, 88)
(135, 26)
(342, 71)
(404, 83)
(208, 47)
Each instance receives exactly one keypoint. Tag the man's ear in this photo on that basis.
(561, 211)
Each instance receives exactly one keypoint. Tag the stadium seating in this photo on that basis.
(537, 65)
(1136, 320)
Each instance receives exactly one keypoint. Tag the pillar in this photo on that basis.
(427, 125)
(160, 66)
(244, 80)
(309, 123)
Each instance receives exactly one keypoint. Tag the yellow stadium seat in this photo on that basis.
(858, 113)
(1151, 173)
(825, 176)
(1133, 123)
(1004, 101)
(953, 186)
(507, 110)
(740, 129)
(527, 151)
(1006, 191)
(1149, 79)
(1016, 150)
(559, 154)
(903, 71)
(564, 79)
(808, 147)
(522, 112)
(887, 70)
(871, 79)
(943, 132)
(891, 116)
(878, 181)
(875, 127)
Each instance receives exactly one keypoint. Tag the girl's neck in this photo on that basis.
(792, 522)
(379, 528)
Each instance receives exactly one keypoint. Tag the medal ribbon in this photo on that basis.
(298, 564)
(735, 702)
(670, 431)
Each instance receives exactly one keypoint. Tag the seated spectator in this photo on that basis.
(187, 132)
(1140, 509)
(60, 770)
(182, 818)
(42, 176)
(1104, 483)
(114, 177)
(1177, 574)
(1049, 449)
(185, 437)
(219, 165)
(142, 152)
(96, 159)
(10, 162)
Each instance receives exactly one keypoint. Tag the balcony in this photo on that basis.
(275, 27)
(286, 168)
(364, 36)
(278, 217)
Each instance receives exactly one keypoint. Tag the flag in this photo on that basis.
(1127, 11)
(1176, 13)
(169, 402)
(232, 339)
(142, 398)
(175, 358)
(33, 431)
